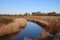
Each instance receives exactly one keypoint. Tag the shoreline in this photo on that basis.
(13, 27)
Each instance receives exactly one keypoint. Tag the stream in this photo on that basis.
(30, 32)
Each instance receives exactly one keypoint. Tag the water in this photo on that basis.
(31, 31)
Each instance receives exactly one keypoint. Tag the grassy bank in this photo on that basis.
(11, 26)
(53, 27)
(53, 21)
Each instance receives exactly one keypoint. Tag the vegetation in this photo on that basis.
(33, 14)
(17, 25)
(45, 14)
(5, 21)
(26, 14)
(52, 28)
(52, 18)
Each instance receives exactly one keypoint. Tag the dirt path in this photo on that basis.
(13, 27)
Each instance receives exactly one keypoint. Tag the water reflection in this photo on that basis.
(31, 31)
(9, 37)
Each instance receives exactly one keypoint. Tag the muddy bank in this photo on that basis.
(13, 27)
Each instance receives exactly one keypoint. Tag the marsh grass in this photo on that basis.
(53, 22)
(5, 20)
(13, 26)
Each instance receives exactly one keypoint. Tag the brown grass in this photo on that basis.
(4, 20)
(53, 26)
(53, 21)
(13, 26)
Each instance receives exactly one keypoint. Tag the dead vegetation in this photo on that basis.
(53, 21)
(52, 28)
(12, 27)
(5, 20)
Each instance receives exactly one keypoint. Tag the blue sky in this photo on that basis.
(22, 6)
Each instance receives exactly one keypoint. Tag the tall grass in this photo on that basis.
(4, 20)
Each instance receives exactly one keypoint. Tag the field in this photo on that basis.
(53, 22)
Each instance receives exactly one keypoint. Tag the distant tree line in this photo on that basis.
(45, 14)
(34, 14)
